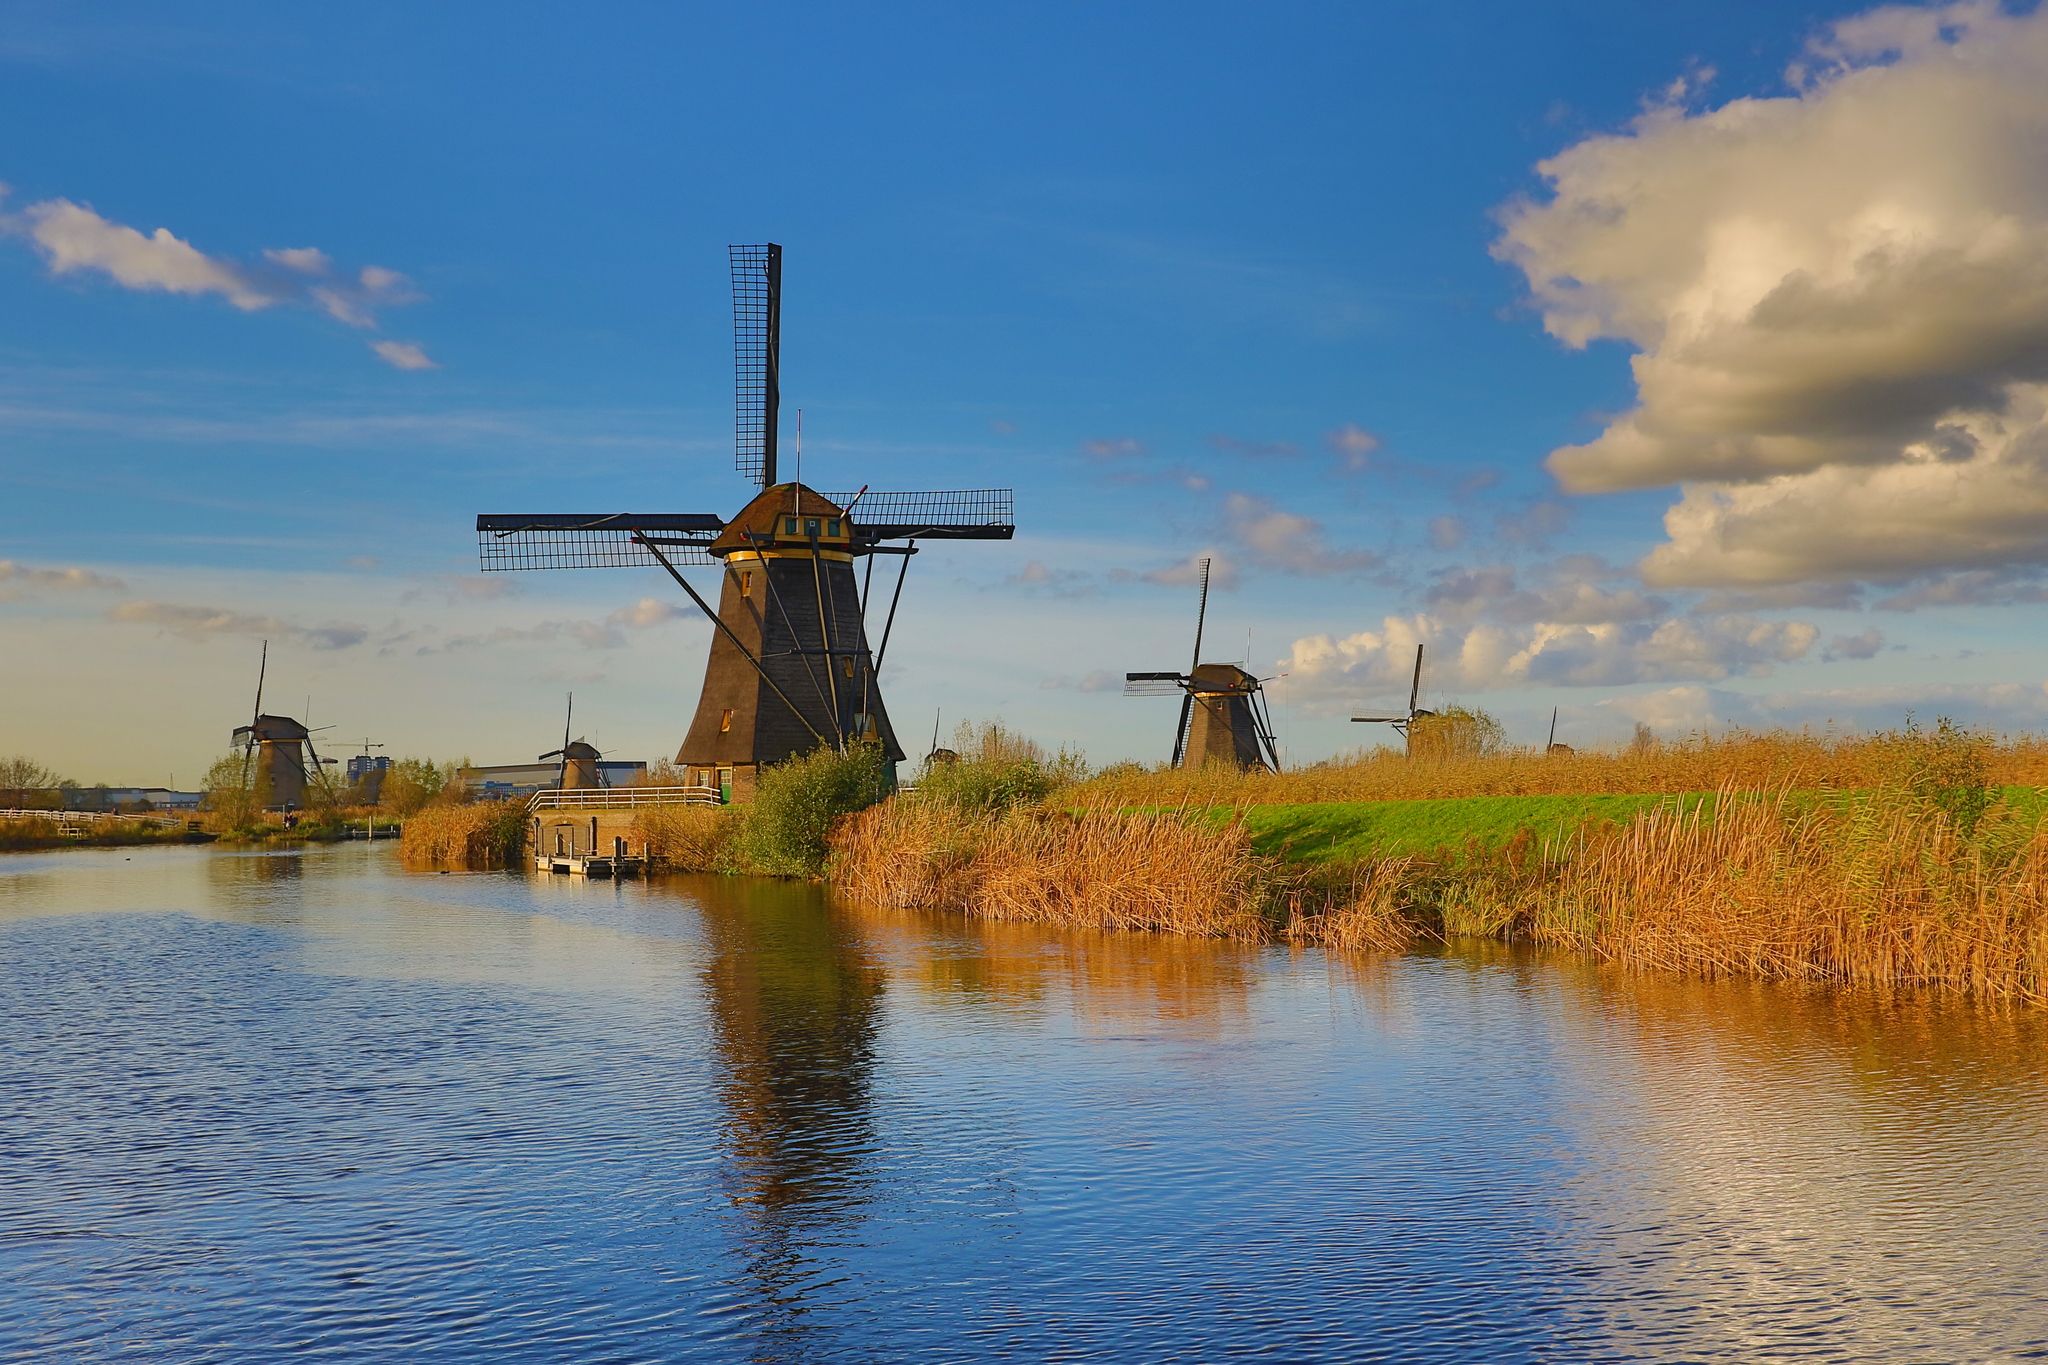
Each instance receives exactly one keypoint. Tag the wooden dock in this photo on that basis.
(591, 865)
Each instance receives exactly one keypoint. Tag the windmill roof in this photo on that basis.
(282, 728)
(759, 515)
(1223, 677)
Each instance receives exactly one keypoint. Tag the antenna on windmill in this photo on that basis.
(1402, 723)
(1223, 714)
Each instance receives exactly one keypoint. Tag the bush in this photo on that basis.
(411, 783)
(997, 770)
(796, 802)
(1456, 732)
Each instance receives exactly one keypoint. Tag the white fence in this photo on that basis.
(622, 798)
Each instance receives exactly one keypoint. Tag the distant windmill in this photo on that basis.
(280, 750)
(790, 667)
(1223, 717)
(1402, 723)
(579, 760)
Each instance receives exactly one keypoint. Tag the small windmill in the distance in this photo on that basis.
(1223, 717)
(1402, 723)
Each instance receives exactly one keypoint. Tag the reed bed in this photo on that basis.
(487, 834)
(1094, 868)
(1869, 888)
(1755, 762)
(688, 838)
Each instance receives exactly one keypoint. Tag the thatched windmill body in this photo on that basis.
(791, 668)
(1223, 715)
(1404, 723)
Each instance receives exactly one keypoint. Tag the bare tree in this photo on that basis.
(20, 776)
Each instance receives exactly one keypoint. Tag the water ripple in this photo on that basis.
(265, 1105)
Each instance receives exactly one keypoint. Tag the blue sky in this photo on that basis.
(1191, 278)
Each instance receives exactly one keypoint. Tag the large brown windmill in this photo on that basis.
(1223, 717)
(790, 667)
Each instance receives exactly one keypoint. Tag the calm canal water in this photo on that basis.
(259, 1107)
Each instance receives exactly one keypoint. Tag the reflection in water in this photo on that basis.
(793, 995)
(260, 1106)
(1785, 1163)
(1197, 988)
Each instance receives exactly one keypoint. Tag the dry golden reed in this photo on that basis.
(484, 835)
(1871, 889)
(1755, 762)
(1098, 868)
(687, 838)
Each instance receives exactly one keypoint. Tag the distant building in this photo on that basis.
(517, 781)
(362, 765)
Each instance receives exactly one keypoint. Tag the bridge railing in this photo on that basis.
(622, 798)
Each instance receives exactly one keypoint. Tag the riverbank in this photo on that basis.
(31, 832)
(1878, 887)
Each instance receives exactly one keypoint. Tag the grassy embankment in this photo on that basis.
(1916, 858)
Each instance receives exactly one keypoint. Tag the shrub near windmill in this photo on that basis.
(790, 669)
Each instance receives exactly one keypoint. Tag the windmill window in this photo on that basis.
(832, 528)
(747, 583)
(789, 526)
(846, 665)
(725, 720)
(811, 526)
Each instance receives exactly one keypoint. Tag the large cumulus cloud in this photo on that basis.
(1839, 300)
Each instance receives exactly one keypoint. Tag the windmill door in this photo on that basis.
(725, 786)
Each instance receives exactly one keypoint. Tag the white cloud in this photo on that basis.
(1469, 594)
(73, 238)
(1187, 573)
(1840, 303)
(1324, 669)
(12, 572)
(1683, 710)
(1354, 446)
(307, 260)
(201, 623)
(403, 355)
(1446, 533)
(1288, 542)
(1118, 448)
(1989, 587)
(1863, 645)
(648, 612)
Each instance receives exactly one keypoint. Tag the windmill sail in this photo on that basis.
(757, 356)
(611, 540)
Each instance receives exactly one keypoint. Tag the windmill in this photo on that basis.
(1223, 717)
(1402, 723)
(280, 749)
(579, 760)
(790, 667)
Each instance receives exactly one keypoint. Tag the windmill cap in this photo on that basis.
(1222, 678)
(282, 728)
(762, 516)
